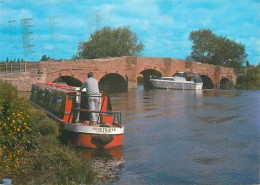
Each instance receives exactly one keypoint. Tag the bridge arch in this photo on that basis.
(113, 82)
(225, 83)
(207, 82)
(69, 80)
(144, 76)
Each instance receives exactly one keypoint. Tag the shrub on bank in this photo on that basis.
(30, 152)
(249, 81)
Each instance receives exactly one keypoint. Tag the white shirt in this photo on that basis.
(91, 84)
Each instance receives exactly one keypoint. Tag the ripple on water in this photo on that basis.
(208, 160)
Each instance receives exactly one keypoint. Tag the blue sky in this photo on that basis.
(57, 26)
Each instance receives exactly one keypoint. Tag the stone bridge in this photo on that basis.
(119, 72)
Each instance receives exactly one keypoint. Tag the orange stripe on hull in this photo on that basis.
(99, 141)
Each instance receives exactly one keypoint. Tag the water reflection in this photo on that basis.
(108, 163)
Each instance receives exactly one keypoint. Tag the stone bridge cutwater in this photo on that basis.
(119, 73)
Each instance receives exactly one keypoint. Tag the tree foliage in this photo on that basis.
(210, 48)
(251, 79)
(44, 58)
(109, 42)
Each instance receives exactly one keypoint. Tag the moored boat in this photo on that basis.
(181, 80)
(69, 106)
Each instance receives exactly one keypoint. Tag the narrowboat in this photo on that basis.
(181, 80)
(70, 107)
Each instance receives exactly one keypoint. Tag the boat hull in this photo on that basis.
(94, 136)
(175, 85)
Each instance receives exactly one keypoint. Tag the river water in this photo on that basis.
(184, 137)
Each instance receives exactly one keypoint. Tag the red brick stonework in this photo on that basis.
(128, 68)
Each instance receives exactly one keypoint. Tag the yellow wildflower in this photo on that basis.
(13, 121)
(22, 118)
(4, 147)
(8, 118)
(18, 115)
(21, 112)
(18, 130)
(13, 113)
(25, 124)
(28, 116)
(0, 153)
(4, 125)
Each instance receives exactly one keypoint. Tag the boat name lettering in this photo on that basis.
(104, 129)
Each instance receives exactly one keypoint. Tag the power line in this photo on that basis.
(12, 28)
(27, 36)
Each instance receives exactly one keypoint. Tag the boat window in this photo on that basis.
(179, 75)
(58, 104)
(197, 78)
(189, 76)
(50, 103)
(59, 99)
(43, 93)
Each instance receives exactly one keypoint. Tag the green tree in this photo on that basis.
(7, 60)
(44, 58)
(210, 48)
(109, 42)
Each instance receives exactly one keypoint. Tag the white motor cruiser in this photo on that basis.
(181, 80)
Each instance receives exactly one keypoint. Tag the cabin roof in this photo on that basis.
(59, 87)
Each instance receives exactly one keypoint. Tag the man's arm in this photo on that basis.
(84, 85)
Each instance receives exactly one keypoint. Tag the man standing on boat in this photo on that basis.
(92, 91)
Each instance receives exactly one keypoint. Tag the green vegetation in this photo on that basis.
(249, 81)
(45, 58)
(30, 151)
(109, 42)
(12, 61)
(212, 49)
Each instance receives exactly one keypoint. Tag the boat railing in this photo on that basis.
(116, 114)
(75, 111)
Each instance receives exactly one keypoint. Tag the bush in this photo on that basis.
(18, 132)
(248, 82)
(53, 164)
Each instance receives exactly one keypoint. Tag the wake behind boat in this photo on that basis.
(181, 80)
(69, 106)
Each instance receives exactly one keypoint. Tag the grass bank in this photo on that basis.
(30, 151)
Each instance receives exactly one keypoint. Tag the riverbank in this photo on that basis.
(31, 151)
